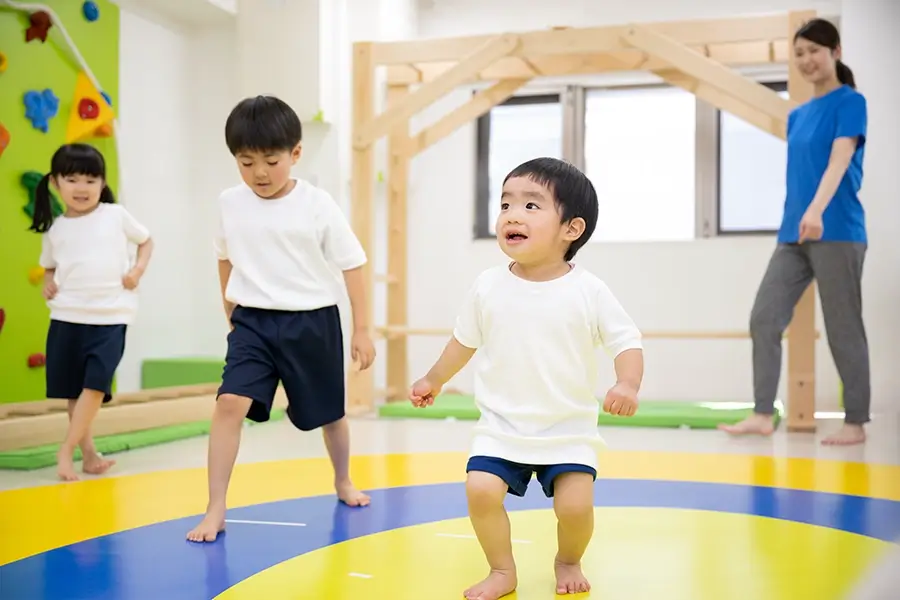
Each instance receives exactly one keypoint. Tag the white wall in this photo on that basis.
(694, 285)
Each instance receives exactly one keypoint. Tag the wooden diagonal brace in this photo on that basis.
(432, 91)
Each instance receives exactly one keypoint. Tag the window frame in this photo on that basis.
(778, 85)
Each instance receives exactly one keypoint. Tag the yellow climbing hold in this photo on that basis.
(35, 274)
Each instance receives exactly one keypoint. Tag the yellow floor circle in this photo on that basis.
(636, 554)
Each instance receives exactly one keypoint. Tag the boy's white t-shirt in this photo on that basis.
(536, 373)
(282, 250)
(91, 255)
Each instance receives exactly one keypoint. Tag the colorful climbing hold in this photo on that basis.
(35, 275)
(40, 107)
(91, 11)
(88, 109)
(4, 62)
(4, 138)
(104, 131)
(40, 26)
(29, 181)
(2, 318)
(36, 360)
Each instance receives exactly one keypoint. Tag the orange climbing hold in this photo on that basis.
(36, 360)
(4, 138)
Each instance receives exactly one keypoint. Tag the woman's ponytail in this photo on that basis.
(844, 74)
(42, 217)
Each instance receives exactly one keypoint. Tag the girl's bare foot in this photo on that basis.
(210, 527)
(570, 579)
(95, 464)
(494, 586)
(753, 425)
(847, 435)
(65, 466)
(349, 495)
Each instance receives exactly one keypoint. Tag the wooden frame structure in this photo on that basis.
(697, 56)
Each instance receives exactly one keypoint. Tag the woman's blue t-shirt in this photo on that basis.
(811, 130)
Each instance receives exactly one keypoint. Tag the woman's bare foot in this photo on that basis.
(349, 495)
(494, 586)
(95, 464)
(753, 425)
(847, 435)
(65, 465)
(570, 579)
(210, 527)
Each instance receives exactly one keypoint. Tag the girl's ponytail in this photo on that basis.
(42, 218)
(107, 196)
(844, 74)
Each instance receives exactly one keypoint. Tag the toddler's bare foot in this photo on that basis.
(95, 464)
(210, 527)
(847, 435)
(494, 586)
(752, 425)
(570, 579)
(65, 466)
(349, 495)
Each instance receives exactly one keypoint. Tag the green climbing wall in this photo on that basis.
(38, 66)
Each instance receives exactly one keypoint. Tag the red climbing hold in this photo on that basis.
(2, 318)
(88, 109)
(36, 360)
(40, 24)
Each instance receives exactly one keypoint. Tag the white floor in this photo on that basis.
(372, 436)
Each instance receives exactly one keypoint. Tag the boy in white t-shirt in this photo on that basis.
(538, 321)
(278, 238)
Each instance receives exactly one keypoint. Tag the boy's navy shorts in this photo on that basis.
(517, 476)
(80, 356)
(304, 350)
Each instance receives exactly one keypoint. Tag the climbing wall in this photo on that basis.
(47, 100)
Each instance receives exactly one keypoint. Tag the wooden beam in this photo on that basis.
(433, 91)
(361, 384)
(397, 358)
(801, 346)
(585, 40)
(479, 104)
(714, 74)
(732, 55)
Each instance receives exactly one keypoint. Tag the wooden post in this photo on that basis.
(361, 384)
(801, 362)
(397, 359)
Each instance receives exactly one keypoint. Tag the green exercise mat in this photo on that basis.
(28, 459)
(177, 371)
(651, 413)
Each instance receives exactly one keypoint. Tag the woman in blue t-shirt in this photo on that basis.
(822, 236)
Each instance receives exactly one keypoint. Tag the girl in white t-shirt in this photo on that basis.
(89, 284)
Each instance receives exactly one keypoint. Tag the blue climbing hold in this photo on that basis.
(106, 97)
(40, 107)
(91, 11)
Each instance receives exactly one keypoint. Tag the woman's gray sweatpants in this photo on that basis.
(837, 268)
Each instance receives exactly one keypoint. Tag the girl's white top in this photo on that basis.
(536, 372)
(91, 255)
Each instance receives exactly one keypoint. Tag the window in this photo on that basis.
(752, 167)
(518, 130)
(639, 151)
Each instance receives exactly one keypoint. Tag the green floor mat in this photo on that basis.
(177, 371)
(28, 459)
(651, 413)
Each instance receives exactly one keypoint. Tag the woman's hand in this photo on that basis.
(811, 226)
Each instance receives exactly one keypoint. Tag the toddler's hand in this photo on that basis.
(131, 279)
(423, 392)
(50, 290)
(621, 400)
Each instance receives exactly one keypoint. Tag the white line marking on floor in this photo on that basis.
(472, 537)
(363, 575)
(280, 523)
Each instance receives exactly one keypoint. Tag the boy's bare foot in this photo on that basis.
(494, 586)
(210, 527)
(847, 435)
(65, 466)
(570, 579)
(95, 464)
(349, 495)
(752, 425)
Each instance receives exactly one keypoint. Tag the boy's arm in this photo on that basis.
(224, 274)
(356, 291)
(454, 357)
(629, 366)
(621, 338)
